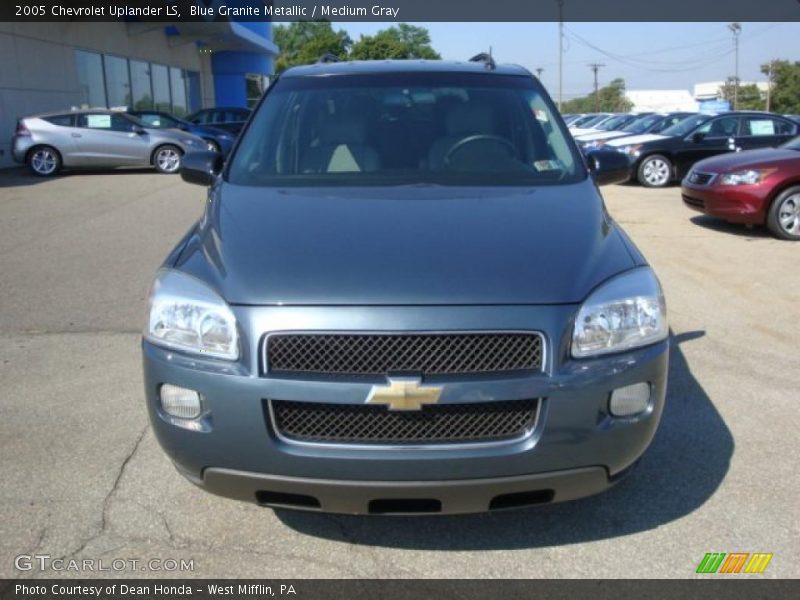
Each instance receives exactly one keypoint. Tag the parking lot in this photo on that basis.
(82, 475)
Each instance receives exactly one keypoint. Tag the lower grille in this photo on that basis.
(694, 202)
(313, 422)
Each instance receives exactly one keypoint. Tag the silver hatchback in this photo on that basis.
(98, 138)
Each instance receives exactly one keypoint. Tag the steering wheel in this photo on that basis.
(501, 141)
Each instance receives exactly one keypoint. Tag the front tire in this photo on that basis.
(783, 219)
(44, 161)
(167, 159)
(655, 171)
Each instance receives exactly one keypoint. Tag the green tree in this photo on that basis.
(610, 98)
(749, 96)
(304, 42)
(401, 41)
(785, 96)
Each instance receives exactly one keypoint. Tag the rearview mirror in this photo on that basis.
(201, 168)
(608, 166)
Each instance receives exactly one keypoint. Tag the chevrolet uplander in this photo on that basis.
(405, 296)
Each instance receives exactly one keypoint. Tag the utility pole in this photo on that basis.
(736, 30)
(560, 53)
(595, 67)
(769, 84)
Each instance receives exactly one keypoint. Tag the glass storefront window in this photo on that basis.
(90, 78)
(160, 78)
(194, 94)
(179, 105)
(140, 85)
(118, 85)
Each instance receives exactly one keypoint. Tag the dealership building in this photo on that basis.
(178, 67)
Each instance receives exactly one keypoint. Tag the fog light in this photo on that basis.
(629, 400)
(180, 402)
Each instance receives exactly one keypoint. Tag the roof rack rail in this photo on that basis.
(486, 59)
(328, 58)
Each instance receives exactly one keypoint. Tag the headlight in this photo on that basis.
(630, 150)
(187, 315)
(748, 177)
(593, 145)
(624, 313)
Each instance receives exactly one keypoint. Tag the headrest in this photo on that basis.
(338, 130)
(469, 119)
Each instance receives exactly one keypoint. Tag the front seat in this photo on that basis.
(341, 148)
(460, 122)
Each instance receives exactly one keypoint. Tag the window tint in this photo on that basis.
(142, 93)
(118, 84)
(107, 122)
(720, 127)
(60, 120)
(401, 129)
(90, 78)
(161, 96)
(765, 126)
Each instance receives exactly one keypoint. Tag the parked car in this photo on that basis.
(405, 296)
(229, 118)
(98, 138)
(581, 120)
(659, 159)
(218, 139)
(578, 128)
(756, 187)
(644, 123)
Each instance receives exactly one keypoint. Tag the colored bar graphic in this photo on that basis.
(734, 563)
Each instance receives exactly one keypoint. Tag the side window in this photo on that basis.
(105, 122)
(151, 120)
(201, 117)
(765, 126)
(61, 120)
(721, 127)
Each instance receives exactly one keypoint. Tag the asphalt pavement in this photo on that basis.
(83, 477)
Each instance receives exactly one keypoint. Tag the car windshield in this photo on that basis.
(596, 120)
(158, 121)
(405, 129)
(686, 126)
(793, 144)
(615, 122)
(642, 124)
(580, 121)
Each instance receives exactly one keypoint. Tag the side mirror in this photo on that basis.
(698, 137)
(201, 168)
(608, 166)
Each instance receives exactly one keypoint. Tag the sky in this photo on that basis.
(646, 55)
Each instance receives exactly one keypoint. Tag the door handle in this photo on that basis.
(76, 135)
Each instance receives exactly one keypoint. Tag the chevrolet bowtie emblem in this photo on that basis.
(404, 394)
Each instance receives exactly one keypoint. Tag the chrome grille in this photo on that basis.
(388, 353)
(314, 422)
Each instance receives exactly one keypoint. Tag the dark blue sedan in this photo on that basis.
(221, 141)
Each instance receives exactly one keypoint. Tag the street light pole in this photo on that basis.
(736, 29)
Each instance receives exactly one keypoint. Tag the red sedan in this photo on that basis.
(759, 187)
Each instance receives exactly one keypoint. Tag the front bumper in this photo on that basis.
(737, 204)
(576, 449)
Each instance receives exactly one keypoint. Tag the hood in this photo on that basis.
(205, 130)
(601, 135)
(405, 245)
(736, 161)
(637, 139)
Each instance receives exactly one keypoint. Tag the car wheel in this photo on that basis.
(44, 161)
(655, 171)
(783, 219)
(167, 159)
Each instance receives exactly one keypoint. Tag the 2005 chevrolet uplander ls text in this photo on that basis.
(405, 296)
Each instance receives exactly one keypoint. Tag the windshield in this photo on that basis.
(615, 123)
(580, 121)
(686, 126)
(642, 124)
(596, 120)
(158, 121)
(402, 129)
(793, 144)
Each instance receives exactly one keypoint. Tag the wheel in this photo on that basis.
(655, 171)
(44, 161)
(783, 219)
(167, 159)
